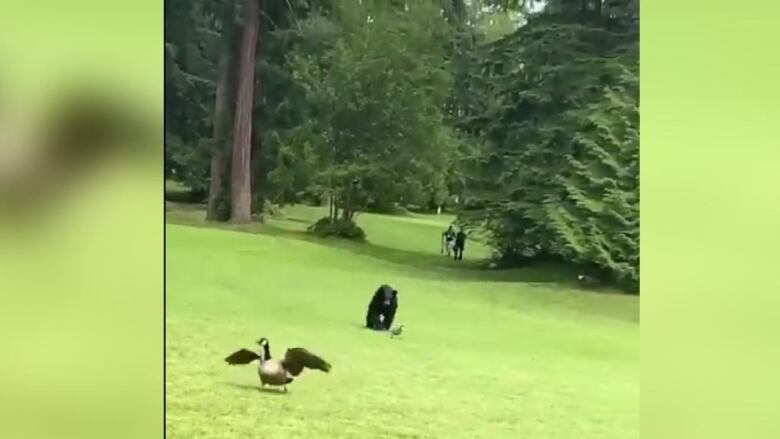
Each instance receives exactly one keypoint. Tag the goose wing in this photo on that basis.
(242, 356)
(295, 359)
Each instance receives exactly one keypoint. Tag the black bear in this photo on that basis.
(382, 308)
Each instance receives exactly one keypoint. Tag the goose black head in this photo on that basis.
(263, 342)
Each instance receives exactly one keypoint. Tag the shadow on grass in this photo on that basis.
(426, 265)
(421, 265)
(257, 388)
(363, 327)
(306, 222)
(174, 206)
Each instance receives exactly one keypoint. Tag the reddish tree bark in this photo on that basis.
(241, 188)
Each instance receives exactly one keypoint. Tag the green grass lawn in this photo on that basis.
(485, 353)
(414, 234)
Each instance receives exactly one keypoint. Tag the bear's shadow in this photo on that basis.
(365, 328)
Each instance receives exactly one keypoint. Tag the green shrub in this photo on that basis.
(341, 228)
(272, 209)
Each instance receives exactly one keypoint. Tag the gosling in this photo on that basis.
(397, 331)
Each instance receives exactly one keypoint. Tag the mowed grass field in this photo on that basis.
(485, 353)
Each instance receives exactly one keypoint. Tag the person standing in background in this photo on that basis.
(448, 240)
(460, 244)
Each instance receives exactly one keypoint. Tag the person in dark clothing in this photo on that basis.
(460, 244)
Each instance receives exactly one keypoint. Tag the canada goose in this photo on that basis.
(278, 372)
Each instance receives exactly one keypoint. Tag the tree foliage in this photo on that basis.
(373, 89)
(558, 172)
(190, 53)
(526, 111)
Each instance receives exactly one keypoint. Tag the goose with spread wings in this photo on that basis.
(275, 372)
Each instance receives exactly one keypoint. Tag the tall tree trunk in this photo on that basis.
(256, 169)
(337, 205)
(222, 111)
(241, 188)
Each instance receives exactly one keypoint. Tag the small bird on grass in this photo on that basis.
(396, 331)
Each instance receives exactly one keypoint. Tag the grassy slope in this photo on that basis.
(481, 356)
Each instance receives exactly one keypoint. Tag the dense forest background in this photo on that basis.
(521, 117)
